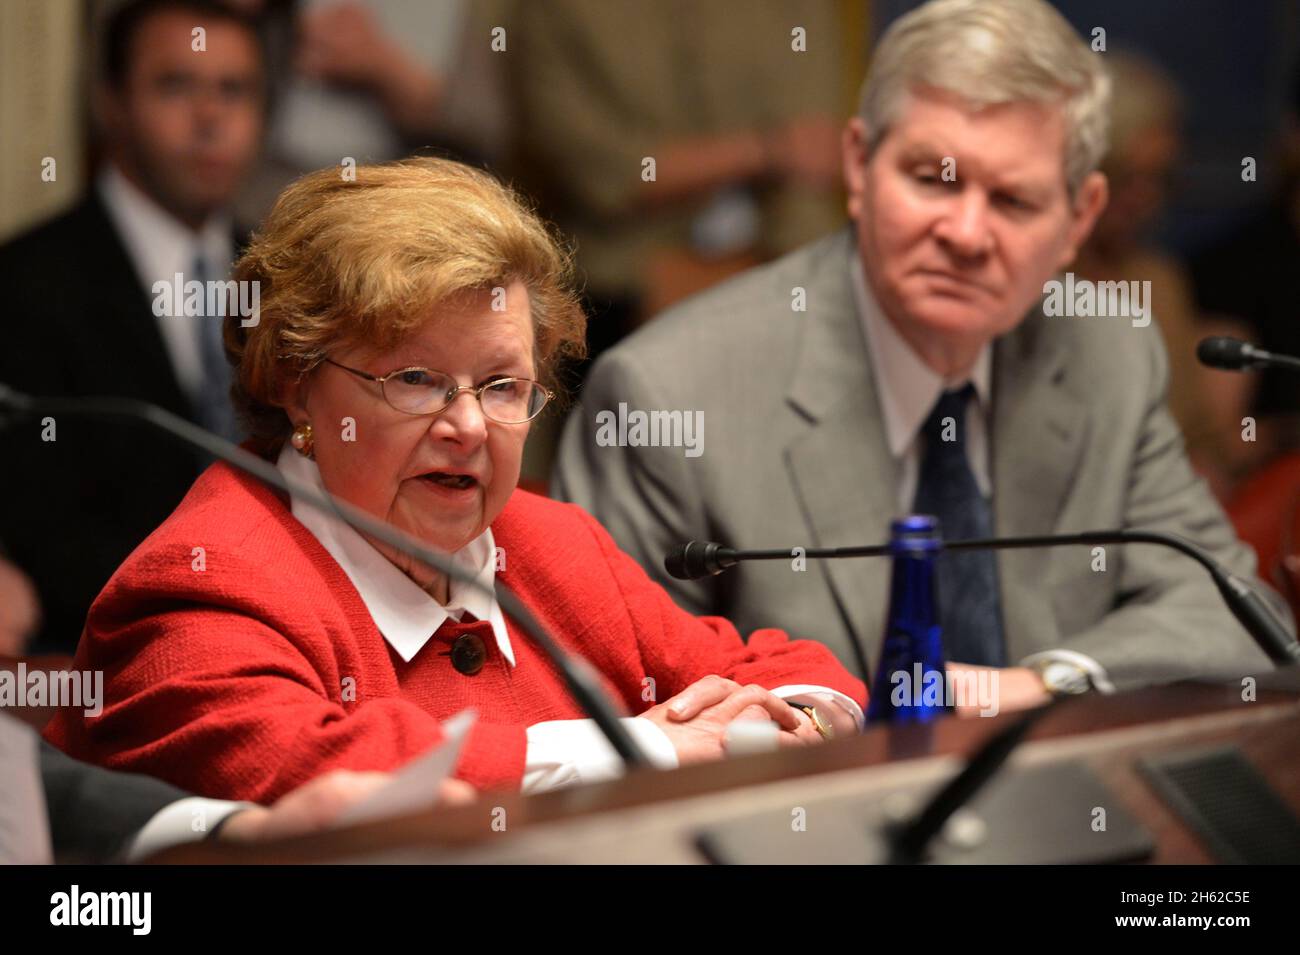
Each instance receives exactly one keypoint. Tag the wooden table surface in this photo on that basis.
(651, 817)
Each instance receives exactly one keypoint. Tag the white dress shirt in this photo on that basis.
(185, 820)
(560, 752)
(907, 389)
(160, 247)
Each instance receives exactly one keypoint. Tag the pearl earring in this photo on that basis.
(303, 441)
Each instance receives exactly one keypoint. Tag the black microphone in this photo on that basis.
(1232, 354)
(696, 559)
(579, 676)
(909, 841)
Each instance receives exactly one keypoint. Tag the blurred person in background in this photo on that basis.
(1247, 278)
(180, 128)
(739, 107)
(1145, 147)
(20, 609)
(374, 80)
(97, 815)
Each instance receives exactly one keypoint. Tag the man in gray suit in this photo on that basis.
(919, 361)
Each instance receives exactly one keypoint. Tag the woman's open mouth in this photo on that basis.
(450, 480)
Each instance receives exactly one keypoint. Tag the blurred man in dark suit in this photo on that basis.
(99, 815)
(180, 104)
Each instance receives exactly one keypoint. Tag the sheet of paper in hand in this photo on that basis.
(415, 785)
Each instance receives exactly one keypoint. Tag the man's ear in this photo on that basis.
(853, 158)
(1089, 202)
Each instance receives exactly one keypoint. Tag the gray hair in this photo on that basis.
(991, 52)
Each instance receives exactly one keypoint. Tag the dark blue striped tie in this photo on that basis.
(969, 606)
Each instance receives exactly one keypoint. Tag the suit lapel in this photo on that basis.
(1038, 434)
(127, 326)
(846, 480)
(838, 459)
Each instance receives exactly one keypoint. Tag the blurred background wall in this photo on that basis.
(41, 51)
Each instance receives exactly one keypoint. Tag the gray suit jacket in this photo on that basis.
(794, 454)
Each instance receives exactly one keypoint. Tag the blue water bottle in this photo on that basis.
(909, 686)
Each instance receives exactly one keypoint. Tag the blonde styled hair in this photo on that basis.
(993, 52)
(361, 262)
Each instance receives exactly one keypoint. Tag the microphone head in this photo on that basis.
(14, 405)
(1230, 354)
(14, 400)
(696, 559)
(682, 563)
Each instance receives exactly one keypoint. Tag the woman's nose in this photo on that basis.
(462, 420)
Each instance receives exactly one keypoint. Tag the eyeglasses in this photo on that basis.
(422, 391)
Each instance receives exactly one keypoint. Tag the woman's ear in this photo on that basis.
(293, 398)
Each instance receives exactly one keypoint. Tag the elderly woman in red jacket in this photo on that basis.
(410, 324)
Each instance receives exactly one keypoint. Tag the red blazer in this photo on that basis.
(229, 675)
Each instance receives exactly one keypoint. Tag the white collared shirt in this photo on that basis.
(907, 389)
(402, 610)
(560, 752)
(159, 247)
(186, 820)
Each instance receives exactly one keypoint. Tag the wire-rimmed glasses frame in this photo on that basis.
(536, 395)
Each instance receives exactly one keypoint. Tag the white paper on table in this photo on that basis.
(24, 823)
(415, 786)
